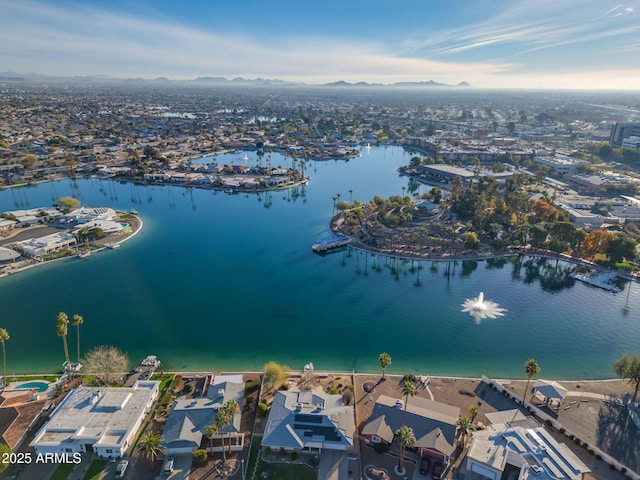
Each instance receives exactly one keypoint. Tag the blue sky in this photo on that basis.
(580, 44)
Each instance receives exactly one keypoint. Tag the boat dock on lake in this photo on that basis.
(330, 244)
(602, 280)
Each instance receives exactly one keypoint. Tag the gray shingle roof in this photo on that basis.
(308, 419)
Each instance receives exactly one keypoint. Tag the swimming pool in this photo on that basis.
(41, 386)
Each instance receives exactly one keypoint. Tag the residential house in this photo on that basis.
(306, 420)
(37, 247)
(519, 453)
(433, 424)
(188, 419)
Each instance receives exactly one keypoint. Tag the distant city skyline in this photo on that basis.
(567, 44)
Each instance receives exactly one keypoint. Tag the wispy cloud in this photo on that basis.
(81, 39)
(93, 38)
(522, 27)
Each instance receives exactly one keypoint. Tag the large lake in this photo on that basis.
(229, 282)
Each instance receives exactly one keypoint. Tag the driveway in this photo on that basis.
(181, 468)
(333, 465)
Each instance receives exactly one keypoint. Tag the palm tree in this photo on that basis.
(62, 326)
(465, 427)
(231, 408)
(77, 321)
(4, 335)
(210, 431)
(405, 438)
(150, 446)
(531, 368)
(220, 422)
(408, 389)
(473, 411)
(385, 360)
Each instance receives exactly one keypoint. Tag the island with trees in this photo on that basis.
(480, 218)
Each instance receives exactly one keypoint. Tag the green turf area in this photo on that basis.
(95, 469)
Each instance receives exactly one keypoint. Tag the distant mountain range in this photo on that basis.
(429, 83)
(12, 76)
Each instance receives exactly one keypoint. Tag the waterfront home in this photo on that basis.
(18, 413)
(6, 224)
(433, 424)
(517, 452)
(37, 247)
(33, 216)
(107, 226)
(84, 215)
(188, 419)
(306, 420)
(103, 420)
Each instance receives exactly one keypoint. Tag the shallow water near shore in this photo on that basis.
(229, 282)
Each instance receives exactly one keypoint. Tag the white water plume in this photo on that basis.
(480, 308)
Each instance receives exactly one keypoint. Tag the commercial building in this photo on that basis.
(102, 420)
(621, 131)
(560, 164)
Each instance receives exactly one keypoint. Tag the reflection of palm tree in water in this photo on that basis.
(625, 309)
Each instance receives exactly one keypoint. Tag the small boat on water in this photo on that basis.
(245, 158)
(113, 245)
(84, 254)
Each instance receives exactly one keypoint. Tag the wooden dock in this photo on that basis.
(330, 244)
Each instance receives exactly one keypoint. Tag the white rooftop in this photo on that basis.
(104, 414)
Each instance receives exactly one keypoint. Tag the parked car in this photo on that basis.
(121, 468)
(424, 465)
(168, 465)
(437, 471)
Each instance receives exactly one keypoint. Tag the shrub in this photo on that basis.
(200, 456)
(262, 409)
(267, 450)
(314, 461)
(188, 388)
(380, 448)
(334, 391)
(166, 399)
(284, 386)
(294, 456)
(282, 451)
(252, 385)
(249, 401)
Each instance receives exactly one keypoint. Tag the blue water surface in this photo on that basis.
(229, 282)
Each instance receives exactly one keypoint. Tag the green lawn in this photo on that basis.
(95, 469)
(63, 471)
(25, 378)
(277, 471)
